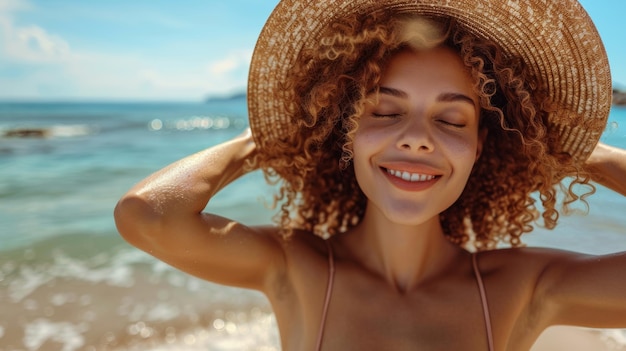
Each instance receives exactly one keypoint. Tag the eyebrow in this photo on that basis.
(444, 97)
(453, 97)
(393, 92)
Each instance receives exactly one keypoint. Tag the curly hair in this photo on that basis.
(331, 83)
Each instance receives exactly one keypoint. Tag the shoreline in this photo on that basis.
(579, 339)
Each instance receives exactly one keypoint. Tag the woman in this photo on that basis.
(410, 139)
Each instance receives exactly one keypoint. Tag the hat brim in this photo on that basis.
(556, 39)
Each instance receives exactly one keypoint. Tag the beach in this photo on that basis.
(69, 282)
(579, 339)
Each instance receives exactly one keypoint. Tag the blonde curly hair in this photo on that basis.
(331, 83)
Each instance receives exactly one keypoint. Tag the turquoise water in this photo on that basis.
(68, 282)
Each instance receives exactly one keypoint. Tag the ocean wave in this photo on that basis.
(103, 297)
(55, 131)
(115, 270)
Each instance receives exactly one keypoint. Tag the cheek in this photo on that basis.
(360, 149)
(365, 141)
(463, 151)
(364, 146)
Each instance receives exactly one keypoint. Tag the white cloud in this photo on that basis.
(34, 44)
(223, 66)
(233, 62)
(7, 6)
(229, 72)
(27, 43)
(51, 68)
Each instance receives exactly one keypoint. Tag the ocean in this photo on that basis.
(69, 282)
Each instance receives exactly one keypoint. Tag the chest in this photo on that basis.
(365, 313)
(439, 316)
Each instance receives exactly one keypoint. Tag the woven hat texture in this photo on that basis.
(556, 39)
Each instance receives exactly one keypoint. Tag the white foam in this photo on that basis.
(68, 131)
(163, 312)
(259, 333)
(41, 331)
(116, 271)
(28, 281)
(615, 337)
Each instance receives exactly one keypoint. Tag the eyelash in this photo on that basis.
(392, 115)
(456, 125)
(396, 115)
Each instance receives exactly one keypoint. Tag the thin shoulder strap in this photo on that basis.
(483, 299)
(329, 291)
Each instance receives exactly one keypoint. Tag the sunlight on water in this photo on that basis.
(196, 123)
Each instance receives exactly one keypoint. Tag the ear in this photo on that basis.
(482, 136)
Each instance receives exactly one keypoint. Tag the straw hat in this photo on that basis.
(556, 39)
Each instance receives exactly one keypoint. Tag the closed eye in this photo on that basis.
(448, 123)
(386, 115)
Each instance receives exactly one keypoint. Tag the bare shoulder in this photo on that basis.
(303, 248)
(524, 259)
(523, 274)
(304, 275)
(560, 287)
(302, 253)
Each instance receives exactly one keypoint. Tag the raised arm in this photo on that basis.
(582, 290)
(607, 165)
(589, 290)
(163, 215)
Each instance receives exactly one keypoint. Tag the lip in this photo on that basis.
(413, 168)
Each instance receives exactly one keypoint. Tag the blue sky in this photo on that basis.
(162, 50)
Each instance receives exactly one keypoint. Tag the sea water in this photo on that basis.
(67, 280)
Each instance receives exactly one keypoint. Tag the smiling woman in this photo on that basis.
(404, 168)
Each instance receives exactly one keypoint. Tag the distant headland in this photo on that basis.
(236, 96)
(619, 97)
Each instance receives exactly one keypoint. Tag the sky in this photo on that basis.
(162, 50)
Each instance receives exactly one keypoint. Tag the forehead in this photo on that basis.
(436, 68)
(439, 62)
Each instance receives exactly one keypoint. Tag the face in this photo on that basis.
(417, 142)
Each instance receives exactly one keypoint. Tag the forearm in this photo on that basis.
(186, 186)
(607, 166)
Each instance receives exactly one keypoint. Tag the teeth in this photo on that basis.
(410, 177)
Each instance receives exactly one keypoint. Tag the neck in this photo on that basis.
(405, 255)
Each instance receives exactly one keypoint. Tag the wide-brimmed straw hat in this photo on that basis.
(556, 39)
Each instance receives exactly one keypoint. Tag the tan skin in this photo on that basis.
(399, 284)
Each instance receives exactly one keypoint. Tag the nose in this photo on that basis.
(416, 136)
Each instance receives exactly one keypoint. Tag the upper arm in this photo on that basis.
(584, 290)
(208, 246)
(607, 166)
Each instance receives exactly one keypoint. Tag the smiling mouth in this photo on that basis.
(411, 177)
